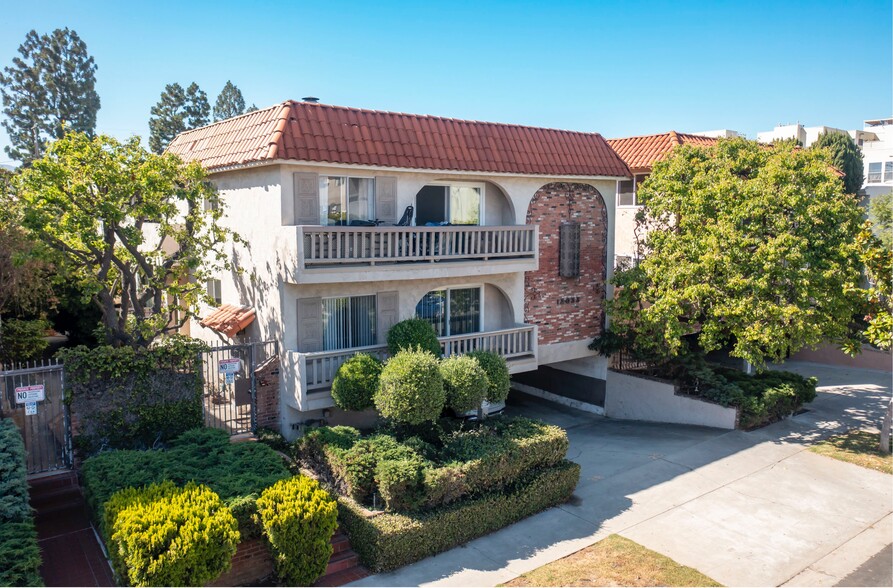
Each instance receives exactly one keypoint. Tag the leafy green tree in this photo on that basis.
(880, 213)
(845, 156)
(111, 210)
(229, 103)
(50, 86)
(746, 246)
(177, 110)
(198, 111)
(878, 259)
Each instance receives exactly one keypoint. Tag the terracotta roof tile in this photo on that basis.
(304, 131)
(229, 319)
(640, 153)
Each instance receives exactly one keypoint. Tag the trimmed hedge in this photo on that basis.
(19, 553)
(410, 389)
(237, 472)
(161, 535)
(497, 374)
(356, 382)
(465, 383)
(412, 474)
(299, 519)
(388, 541)
(412, 334)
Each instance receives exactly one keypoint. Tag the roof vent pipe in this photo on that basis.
(310, 99)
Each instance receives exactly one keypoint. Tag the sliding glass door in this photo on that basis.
(454, 311)
(348, 322)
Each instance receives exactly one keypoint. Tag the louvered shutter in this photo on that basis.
(386, 199)
(309, 324)
(569, 248)
(388, 312)
(306, 198)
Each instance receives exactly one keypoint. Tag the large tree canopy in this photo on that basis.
(50, 86)
(747, 246)
(177, 110)
(140, 231)
(845, 156)
(229, 103)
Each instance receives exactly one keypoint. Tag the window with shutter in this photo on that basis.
(569, 250)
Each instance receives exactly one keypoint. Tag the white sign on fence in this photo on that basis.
(30, 408)
(29, 394)
(230, 366)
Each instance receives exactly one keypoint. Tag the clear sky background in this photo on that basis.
(617, 68)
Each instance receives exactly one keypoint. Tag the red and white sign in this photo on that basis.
(230, 366)
(33, 393)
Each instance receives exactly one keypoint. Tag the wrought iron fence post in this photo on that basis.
(252, 367)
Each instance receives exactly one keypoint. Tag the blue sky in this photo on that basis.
(618, 68)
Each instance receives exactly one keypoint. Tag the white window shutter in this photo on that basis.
(306, 198)
(309, 325)
(386, 199)
(388, 313)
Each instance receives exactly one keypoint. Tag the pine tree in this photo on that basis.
(198, 111)
(251, 108)
(229, 103)
(49, 89)
(178, 110)
(846, 157)
(168, 117)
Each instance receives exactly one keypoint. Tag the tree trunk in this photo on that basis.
(885, 428)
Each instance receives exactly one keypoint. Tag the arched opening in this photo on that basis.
(451, 202)
(466, 309)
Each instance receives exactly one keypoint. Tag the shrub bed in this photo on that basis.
(299, 519)
(409, 473)
(386, 541)
(19, 553)
(237, 472)
(162, 535)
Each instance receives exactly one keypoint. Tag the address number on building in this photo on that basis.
(25, 394)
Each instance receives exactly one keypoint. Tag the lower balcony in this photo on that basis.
(316, 370)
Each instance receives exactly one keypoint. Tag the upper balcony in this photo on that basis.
(328, 254)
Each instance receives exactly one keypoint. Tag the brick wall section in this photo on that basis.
(267, 378)
(251, 564)
(567, 309)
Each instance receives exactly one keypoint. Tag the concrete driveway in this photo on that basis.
(747, 509)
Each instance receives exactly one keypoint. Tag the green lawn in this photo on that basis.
(614, 561)
(858, 447)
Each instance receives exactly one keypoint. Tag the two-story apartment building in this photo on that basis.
(497, 234)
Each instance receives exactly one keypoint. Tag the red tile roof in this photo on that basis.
(640, 153)
(304, 131)
(229, 319)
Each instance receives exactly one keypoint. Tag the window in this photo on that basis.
(348, 322)
(569, 250)
(888, 171)
(215, 291)
(874, 172)
(627, 189)
(345, 200)
(454, 204)
(454, 311)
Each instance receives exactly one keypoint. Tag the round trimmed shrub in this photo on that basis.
(465, 383)
(299, 519)
(410, 389)
(411, 334)
(497, 374)
(356, 382)
(162, 535)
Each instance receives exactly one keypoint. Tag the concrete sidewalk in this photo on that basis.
(747, 509)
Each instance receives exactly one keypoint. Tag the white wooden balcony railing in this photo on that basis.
(321, 246)
(319, 367)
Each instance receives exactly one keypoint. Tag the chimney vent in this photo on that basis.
(310, 99)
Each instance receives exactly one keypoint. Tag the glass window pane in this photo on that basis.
(888, 171)
(465, 311)
(465, 205)
(336, 326)
(362, 321)
(360, 200)
(874, 172)
(331, 200)
(625, 195)
(432, 308)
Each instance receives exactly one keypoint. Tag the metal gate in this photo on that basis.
(32, 396)
(230, 386)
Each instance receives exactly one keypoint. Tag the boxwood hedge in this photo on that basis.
(386, 541)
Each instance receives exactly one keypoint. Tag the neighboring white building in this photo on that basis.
(876, 141)
(806, 136)
(497, 234)
(720, 134)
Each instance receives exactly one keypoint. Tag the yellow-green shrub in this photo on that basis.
(299, 519)
(161, 535)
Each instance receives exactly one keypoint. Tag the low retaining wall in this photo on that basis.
(870, 359)
(251, 565)
(647, 399)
